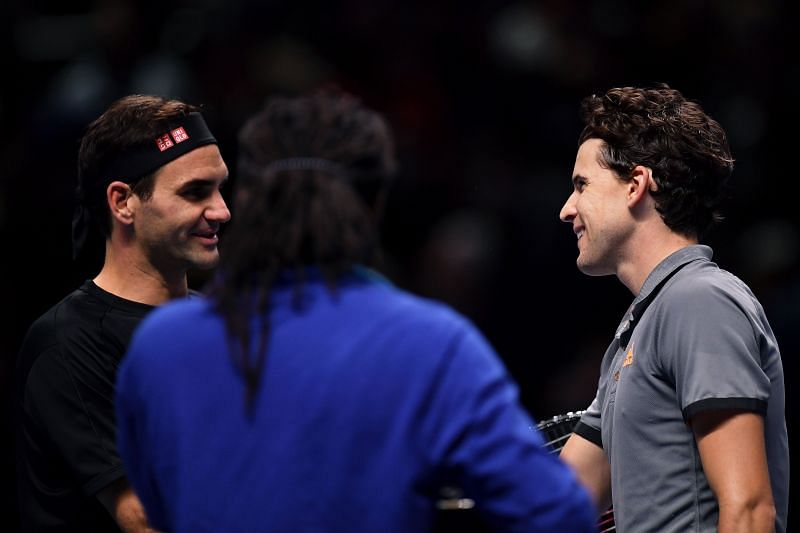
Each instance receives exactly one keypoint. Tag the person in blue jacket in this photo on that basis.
(307, 393)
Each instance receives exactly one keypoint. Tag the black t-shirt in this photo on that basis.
(66, 436)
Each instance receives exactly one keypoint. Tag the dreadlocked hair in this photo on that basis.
(292, 217)
(686, 149)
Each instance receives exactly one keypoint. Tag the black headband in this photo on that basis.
(183, 135)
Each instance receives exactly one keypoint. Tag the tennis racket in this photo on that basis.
(556, 431)
(456, 511)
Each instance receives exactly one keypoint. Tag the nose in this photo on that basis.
(218, 210)
(568, 211)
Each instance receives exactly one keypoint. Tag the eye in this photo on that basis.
(197, 193)
(201, 189)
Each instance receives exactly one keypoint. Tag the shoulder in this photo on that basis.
(57, 324)
(400, 321)
(83, 308)
(429, 338)
(706, 302)
(50, 340)
(423, 327)
(411, 311)
(705, 284)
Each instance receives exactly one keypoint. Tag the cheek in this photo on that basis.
(584, 207)
(176, 214)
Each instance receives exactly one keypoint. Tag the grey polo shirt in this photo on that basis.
(694, 339)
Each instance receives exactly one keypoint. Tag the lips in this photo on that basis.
(208, 238)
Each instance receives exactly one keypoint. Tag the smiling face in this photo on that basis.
(176, 228)
(598, 212)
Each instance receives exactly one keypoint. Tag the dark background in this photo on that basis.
(483, 97)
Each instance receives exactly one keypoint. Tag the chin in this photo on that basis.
(593, 269)
(204, 263)
(589, 267)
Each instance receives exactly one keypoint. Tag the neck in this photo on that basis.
(646, 252)
(127, 275)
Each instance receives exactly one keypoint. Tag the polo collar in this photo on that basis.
(670, 264)
(655, 280)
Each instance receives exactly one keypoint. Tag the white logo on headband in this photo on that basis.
(164, 142)
(179, 134)
(168, 140)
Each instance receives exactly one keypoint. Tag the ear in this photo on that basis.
(118, 196)
(638, 188)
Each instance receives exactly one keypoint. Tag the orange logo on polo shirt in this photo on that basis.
(628, 357)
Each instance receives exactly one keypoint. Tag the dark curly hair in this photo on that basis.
(686, 149)
(321, 213)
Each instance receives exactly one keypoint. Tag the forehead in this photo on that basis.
(588, 155)
(204, 163)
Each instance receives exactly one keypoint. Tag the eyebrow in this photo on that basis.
(577, 177)
(201, 182)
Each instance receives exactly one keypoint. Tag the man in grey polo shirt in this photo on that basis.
(687, 431)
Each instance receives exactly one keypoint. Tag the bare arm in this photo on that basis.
(591, 465)
(734, 457)
(124, 506)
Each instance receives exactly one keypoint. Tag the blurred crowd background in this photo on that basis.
(483, 97)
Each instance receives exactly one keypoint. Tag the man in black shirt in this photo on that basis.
(149, 174)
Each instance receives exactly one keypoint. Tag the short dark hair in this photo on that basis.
(128, 122)
(686, 149)
(310, 173)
